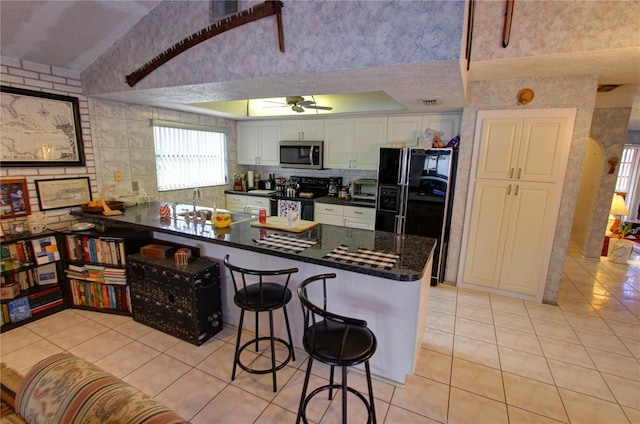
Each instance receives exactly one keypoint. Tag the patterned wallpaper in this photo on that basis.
(319, 36)
(551, 27)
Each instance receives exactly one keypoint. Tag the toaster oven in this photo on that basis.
(364, 189)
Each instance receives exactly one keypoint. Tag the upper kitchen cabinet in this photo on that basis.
(354, 143)
(258, 142)
(521, 149)
(304, 129)
(369, 134)
(338, 141)
(409, 129)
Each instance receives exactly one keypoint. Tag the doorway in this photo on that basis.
(587, 195)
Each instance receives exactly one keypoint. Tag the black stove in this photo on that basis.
(318, 186)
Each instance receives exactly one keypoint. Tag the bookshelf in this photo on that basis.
(96, 268)
(31, 278)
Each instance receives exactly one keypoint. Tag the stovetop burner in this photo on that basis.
(316, 185)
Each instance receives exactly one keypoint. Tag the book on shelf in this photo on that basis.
(76, 271)
(45, 250)
(107, 250)
(47, 274)
(19, 309)
(98, 295)
(44, 297)
(47, 306)
(26, 279)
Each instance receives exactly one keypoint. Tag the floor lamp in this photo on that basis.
(618, 210)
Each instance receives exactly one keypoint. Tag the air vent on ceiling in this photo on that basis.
(431, 102)
(605, 88)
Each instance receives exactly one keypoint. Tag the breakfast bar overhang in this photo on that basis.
(393, 300)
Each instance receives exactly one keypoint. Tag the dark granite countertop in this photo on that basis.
(413, 251)
(259, 193)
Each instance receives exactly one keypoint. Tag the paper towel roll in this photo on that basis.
(250, 179)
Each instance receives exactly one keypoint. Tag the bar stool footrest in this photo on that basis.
(267, 370)
(303, 412)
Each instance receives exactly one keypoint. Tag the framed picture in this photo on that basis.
(39, 129)
(63, 192)
(14, 198)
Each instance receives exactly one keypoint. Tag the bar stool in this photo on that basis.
(335, 340)
(261, 296)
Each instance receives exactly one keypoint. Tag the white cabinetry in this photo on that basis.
(514, 199)
(338, 143)
(247, 203)
(344, 216)
(409, 129)
(258, 142)
(521, 149)
(507, 238)
(356, 217)
(354, 143)
(303, 129)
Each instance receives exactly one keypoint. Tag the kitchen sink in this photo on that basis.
(202, 214)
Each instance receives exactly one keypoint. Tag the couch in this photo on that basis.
(66, 389)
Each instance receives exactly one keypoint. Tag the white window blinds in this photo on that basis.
(187, 158)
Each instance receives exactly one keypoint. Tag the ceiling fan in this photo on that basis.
(298, 103)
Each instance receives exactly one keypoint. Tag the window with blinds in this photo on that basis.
(628, 180)
(187, 157)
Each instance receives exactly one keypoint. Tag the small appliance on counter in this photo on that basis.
(335, 185)
(364, 189)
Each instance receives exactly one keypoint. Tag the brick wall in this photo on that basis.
(44, 78)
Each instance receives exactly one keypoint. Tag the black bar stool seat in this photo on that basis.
(337, 341)
(257, 295)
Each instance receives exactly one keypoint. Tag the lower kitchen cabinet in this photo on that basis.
(181, 300)
(248, 203)
(345, 216)
(508, 240)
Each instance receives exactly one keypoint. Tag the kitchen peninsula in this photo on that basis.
(392, 300)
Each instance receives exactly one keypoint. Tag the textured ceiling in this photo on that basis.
(72, 34)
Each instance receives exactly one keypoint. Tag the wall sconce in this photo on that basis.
(613, 162)
(525, 96)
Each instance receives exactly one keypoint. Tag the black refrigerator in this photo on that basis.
(415, 196)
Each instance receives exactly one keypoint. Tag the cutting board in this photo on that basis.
(282, 223)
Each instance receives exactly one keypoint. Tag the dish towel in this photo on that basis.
(286, 243)
(285, 206)
(372, 258)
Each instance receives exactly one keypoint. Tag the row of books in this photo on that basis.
(98, 295)
(97, 273)
(104, 250)
(24, 307)
(15, 255)
(40, 276)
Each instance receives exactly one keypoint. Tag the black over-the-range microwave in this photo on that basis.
(301, 154)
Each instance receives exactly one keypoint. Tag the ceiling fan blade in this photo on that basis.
(297, 108)
(320, 107)
(306, 103)
(276, 103)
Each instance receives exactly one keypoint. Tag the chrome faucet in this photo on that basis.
(196, 197)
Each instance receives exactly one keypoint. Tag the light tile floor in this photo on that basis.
(485, 359)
